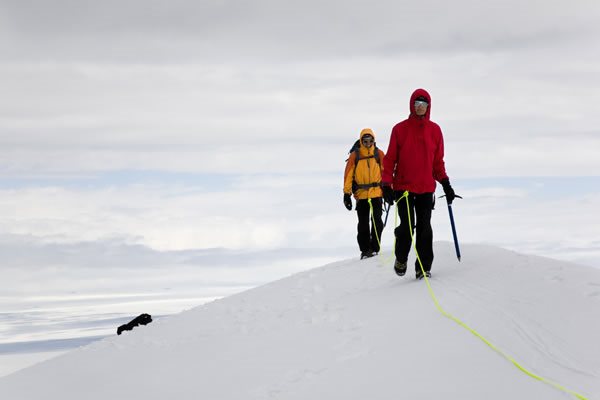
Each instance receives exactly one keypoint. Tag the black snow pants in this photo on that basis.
(367, 231)
(421, 205)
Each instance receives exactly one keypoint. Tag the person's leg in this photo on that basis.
(377, 226)
(363, 236)
(423, 207)
(402, 232)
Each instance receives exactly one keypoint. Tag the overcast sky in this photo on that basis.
(182, 125)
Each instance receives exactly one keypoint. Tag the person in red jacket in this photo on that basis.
(414, 161)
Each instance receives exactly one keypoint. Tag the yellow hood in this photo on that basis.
(364, 151)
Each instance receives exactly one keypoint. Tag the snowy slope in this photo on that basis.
(354, 330)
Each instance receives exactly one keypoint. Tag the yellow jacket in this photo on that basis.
(367, 172)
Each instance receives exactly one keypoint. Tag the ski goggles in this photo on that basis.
(421, 103)
(368, 140)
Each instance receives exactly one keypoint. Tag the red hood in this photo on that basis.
(417, 93)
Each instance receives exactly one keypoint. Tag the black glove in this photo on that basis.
(448, 191)
(388, 194)
(347, 201)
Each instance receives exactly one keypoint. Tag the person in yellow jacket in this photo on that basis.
(362, 178)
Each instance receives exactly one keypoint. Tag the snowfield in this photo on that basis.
(354, 330)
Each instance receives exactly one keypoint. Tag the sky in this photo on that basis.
(354, 330)
(186, 150)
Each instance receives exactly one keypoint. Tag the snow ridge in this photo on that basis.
(354, 330)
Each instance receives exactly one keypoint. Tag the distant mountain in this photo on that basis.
(354, 330)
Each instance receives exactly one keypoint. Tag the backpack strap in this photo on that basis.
(376, 155)
(356, 186)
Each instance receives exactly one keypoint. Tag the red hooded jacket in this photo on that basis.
(415, 157)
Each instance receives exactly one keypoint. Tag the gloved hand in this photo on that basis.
(448, 191)
(388, 194)
(347, 201)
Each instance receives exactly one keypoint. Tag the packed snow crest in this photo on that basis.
(355, 330)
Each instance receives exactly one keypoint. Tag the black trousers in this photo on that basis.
(367, 231)
(421, 205)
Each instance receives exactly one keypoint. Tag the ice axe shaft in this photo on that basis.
(454, 231)
(387, 211)
(456, 247)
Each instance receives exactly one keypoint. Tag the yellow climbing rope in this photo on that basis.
(473, 331)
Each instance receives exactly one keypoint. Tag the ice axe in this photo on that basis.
(453, 226)
(387, 211)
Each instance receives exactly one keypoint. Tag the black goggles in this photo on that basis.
(368, 140)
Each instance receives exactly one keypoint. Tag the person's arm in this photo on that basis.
(387, 174)
(390, 160)
(439, 171)
(439, 166)
(381, 157)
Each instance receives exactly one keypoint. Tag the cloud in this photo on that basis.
(152, 31)
(267, 212)
(234, 88)
(162, 217)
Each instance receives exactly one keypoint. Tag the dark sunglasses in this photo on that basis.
(368, 140)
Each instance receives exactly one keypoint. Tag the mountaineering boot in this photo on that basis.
(366, 254)
(400, 268)
(420, 274)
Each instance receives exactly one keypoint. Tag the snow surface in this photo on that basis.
(354, 330)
